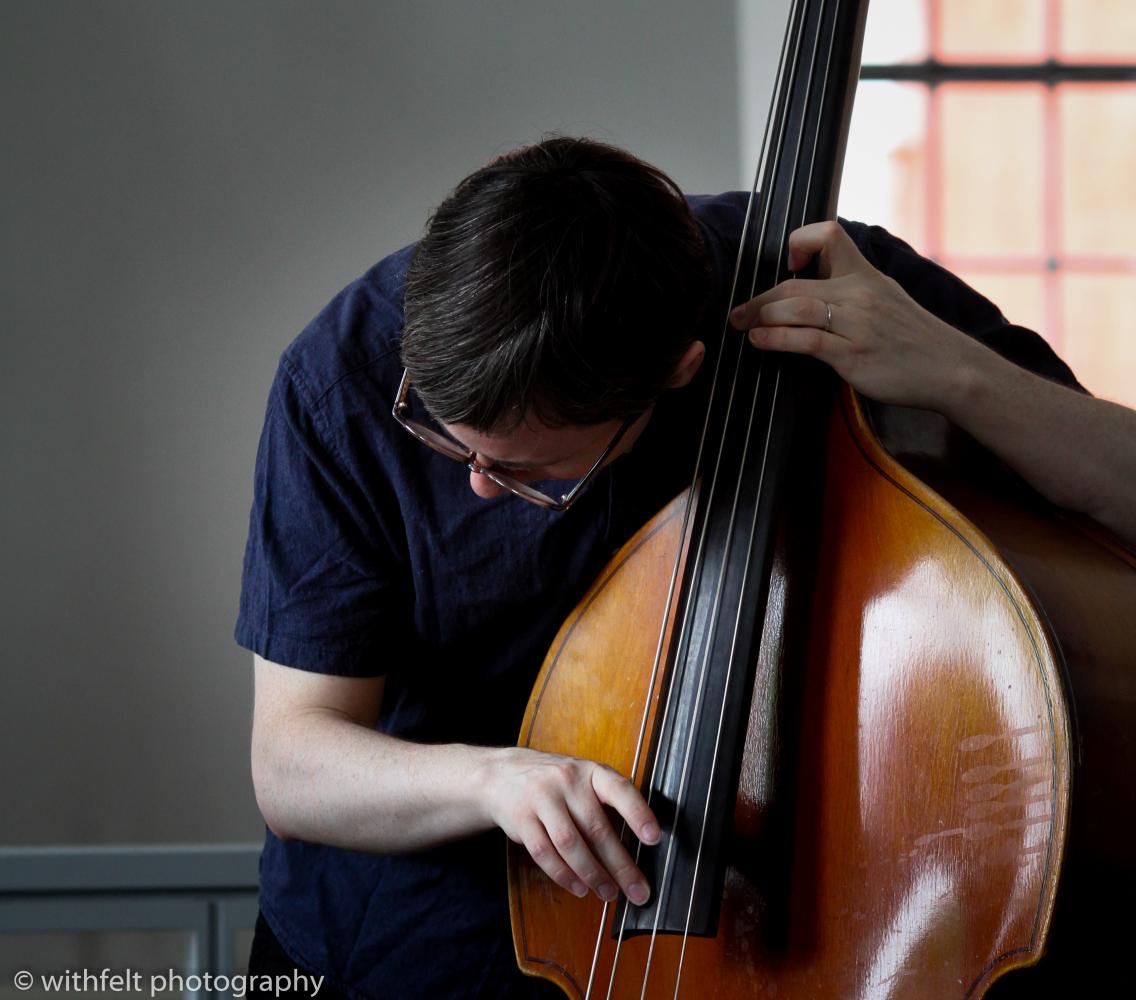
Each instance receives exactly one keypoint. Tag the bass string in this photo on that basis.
(765, 454)
(715, 480)
(719, 585)
(659, 648)
(702, 444)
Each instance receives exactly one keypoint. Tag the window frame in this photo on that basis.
(935, 71)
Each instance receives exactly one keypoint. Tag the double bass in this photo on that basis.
(879, 694)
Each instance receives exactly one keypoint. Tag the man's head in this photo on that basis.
(560, 285)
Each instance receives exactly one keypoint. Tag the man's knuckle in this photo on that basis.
(555, 869)
(616, 781)
(625, 872)
(574, 772)
(597, 828)
(539, 849)
(564, 838)
(592, 875)
(606, 780)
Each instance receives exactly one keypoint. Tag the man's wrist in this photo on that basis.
(975, 385)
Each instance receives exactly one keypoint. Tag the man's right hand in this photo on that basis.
(554, 806)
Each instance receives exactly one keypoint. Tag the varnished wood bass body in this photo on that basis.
(939, 750)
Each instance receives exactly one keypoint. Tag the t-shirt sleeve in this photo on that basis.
(320, 588)
(954, 301)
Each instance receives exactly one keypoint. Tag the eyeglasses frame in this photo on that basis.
(453, 449)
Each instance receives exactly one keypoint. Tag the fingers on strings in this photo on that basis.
(799, 326)
(575, 844)
(837, 253)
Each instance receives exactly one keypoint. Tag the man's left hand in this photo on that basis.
(862, 323)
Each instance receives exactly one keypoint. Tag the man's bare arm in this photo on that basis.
(1076, 450)
(323, 774)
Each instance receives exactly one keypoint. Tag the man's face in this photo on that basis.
(532, 451)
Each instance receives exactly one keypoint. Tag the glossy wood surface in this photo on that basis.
(932, 777)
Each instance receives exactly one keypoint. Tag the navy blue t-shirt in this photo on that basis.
(368, 554)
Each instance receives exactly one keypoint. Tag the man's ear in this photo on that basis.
(688, 365)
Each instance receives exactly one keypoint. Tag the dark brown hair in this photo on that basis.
(563, 280)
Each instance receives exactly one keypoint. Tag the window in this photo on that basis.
(1000, 139)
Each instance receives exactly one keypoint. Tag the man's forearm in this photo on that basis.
(1076, 450)
(324, 778)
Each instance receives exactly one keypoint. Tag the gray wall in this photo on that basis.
(184, 185)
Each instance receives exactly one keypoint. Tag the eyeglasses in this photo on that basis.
(452, 449)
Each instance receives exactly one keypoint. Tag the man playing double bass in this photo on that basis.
(455, 447)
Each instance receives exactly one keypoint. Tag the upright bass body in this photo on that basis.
(886, 722)
(911, 785)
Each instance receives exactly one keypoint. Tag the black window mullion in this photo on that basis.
(1051, 72)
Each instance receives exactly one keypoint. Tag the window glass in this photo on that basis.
(1097, 30)
(991, 30)
(1098, 161)
(992, 170)
(1023, 189)
(1099, 343)
(896, 31)
(883, 181)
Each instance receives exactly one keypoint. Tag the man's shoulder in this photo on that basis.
(358, 332)
(726, 210)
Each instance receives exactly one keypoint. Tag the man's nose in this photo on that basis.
(483, 486)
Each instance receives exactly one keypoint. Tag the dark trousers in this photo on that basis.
(267, 958)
